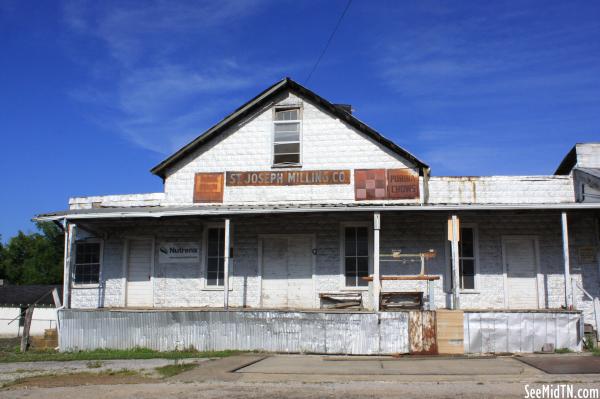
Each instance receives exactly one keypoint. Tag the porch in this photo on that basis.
(506, 259)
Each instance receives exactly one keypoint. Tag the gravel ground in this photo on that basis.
(235, 390)
(216, 379)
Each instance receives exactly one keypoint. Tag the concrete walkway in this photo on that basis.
(256, 368)
(386, 366)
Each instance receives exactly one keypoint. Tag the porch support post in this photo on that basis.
(376, 274)
(455, 263)
(567, 262)
(226, 266)
(69, 229)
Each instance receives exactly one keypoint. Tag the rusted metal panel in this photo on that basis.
(288, 178)
(422, 332)
(370, 184)
(402, 184)
(429, 333)
(415, 332)
(208, 187)
(385, 184)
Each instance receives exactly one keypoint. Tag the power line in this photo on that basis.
(328, 41)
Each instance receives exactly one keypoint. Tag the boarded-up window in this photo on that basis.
(286, 137)
(87, 263)
(208, 187)
(214, 257)
(356, 256)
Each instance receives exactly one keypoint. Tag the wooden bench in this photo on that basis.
(401, 300)
(341, 300)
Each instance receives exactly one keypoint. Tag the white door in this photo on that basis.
(274, 270)
(521, 273)
(287, 272)
(139, 273)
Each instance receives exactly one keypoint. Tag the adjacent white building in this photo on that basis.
(291, 201)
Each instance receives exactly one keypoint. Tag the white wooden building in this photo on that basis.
(291, 199)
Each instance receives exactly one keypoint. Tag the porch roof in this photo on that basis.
(253, 209)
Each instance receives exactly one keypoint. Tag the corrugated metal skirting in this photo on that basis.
(510, 332)
(272, 331)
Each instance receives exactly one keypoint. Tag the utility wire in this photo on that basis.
(328, 41)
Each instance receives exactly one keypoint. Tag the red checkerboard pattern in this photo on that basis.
(369, 184)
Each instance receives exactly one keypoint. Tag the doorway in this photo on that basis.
(287, 271)
(521, 267)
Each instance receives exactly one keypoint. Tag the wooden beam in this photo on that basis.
(56, 298)
(26, 328)
(567, 262)
(226, 266)
(455, 228)
(70, 232)
(404, 278)
(376, 279)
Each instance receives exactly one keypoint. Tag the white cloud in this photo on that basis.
(465, 59)
(129, 31)
(146, 82)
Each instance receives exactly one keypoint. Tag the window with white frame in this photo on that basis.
(87, 263)
(215, 256)
(467, 258)
(356, 255)
(286, 137)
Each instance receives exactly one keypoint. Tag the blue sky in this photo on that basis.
(93, 94)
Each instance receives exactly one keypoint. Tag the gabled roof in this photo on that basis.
(568, 162)
(572, 159)
(24, 295)
(264, 97)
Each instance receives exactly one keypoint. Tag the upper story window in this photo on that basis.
(87, 263)
(286, 137)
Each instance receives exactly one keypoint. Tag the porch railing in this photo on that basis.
(596, 302)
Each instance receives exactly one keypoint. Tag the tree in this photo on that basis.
(35, 258)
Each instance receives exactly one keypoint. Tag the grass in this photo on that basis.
(94, 364)
(105, 354)
(563, 350)
(174, 369)
(73, 379)
(596, 351)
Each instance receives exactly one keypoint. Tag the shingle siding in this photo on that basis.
(327, 143)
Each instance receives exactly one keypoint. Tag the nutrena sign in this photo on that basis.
(179, 252)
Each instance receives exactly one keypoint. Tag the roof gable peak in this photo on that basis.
(246, 109)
